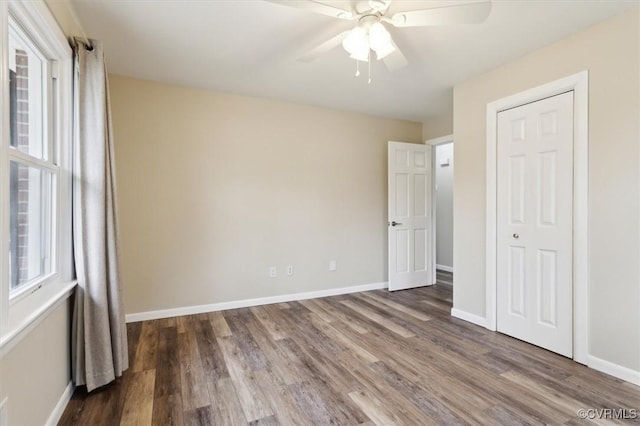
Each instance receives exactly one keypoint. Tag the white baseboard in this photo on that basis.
(445, 268)
(55, 415)
(466, 316)
(199, 309)
(615, 370)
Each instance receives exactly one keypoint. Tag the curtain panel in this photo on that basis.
(99, 334)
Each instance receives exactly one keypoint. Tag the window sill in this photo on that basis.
(25, 315)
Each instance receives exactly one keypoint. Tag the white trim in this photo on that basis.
(433, 143)
(445, 268)
(469, 317)
(4, 162)
(48, 36)
(615, 370)
(21, 323)
(246, 303)
(579, 84)
(58, 410)
(439, 141)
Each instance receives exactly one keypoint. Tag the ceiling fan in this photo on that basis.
(370, 33)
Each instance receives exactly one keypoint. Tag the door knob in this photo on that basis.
(516, 236)
(394, 223)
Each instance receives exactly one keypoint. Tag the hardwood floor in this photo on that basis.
(369, 358)
(444, 277)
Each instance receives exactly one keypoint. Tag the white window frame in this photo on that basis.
(23, 312)
(43, 130)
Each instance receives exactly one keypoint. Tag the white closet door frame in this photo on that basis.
(579, 84)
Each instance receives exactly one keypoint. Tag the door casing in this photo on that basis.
(579, 84)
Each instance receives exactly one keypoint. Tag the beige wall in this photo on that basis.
(437, 126)
(36, 371)
(610, 51)
(215, 188)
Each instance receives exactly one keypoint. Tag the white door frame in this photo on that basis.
(433, 143)
(579, 84)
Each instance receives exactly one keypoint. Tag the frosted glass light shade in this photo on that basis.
(361, 40)
(380, 40)
(386, 50)
(357, 44)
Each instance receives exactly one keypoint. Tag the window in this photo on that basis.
(32, 169)
(35, 163)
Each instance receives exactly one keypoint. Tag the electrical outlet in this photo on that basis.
(273, 272)
(333, 265)
(290, 270)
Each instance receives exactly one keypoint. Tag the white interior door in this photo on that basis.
(534, 228)
(409, 215)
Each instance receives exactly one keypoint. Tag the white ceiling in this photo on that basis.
(250, 47)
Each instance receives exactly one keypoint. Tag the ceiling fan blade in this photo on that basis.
(324, 47)
(468, 13)
(396, 60)
(317, 7)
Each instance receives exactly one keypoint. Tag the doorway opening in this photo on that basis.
(442, 206)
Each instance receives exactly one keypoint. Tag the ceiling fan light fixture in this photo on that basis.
(357, 44)
(360, 56)
(385, 51)
(380, 40)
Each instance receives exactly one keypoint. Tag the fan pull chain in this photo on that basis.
(369, 82)
(357, 68)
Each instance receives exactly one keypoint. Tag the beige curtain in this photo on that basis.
(99, 352)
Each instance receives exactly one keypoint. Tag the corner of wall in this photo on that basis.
(64, 13)
(435, 127)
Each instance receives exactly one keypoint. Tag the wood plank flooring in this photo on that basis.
(369, 358)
